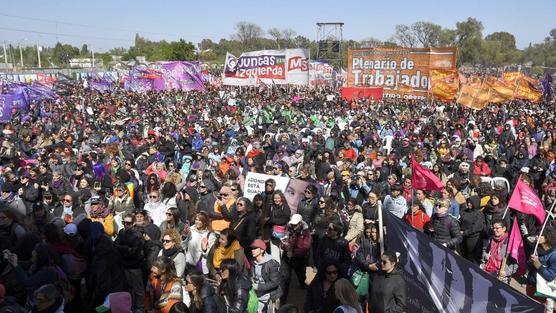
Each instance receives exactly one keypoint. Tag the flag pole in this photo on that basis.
(505, 211)
(543, 227)
(380, 228)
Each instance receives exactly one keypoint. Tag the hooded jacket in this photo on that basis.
(472, 219)
(446, 230)
(388, 293)
(267, 278)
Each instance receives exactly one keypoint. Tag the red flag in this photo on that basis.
(423, 178)
(516, 249)
(525, 200)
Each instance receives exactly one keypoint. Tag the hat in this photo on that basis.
(345, 173)
(295, 219)
(70, 229)
(153, 231)
(193, 177)
(117, 302)
(258, 243)
(95, 200)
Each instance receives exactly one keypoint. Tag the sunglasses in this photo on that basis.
(128, 223)
(67, 200)
(322, 201)
(240, 204)
(166, 241)
(169, 214)
(224, 194)
(153, 197)
(202, 186)
(308, 191)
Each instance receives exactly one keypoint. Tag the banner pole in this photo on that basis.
(380, 228)
(543, 227)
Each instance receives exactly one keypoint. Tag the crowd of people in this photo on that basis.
(133, 202)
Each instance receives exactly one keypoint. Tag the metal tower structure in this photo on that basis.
(330, 38)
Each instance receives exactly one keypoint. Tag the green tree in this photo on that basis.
(427, 34)
(469, 39)
(63, 53)
(84, 50)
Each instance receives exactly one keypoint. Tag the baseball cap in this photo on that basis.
(258, 243)
(70, 229)
(295, 219)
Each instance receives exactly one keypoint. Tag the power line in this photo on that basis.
(63, 35)
(94, 26)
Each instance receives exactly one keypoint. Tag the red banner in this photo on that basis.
(373, 93)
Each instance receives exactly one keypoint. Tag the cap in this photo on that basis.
(70, 229)
(258, 243)
(295, 219)
(95, 200)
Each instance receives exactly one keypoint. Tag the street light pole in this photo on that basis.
(39, 54)
(20, 56)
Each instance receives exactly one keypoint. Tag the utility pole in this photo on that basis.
(39, 48)
(93, 53)
(5, 55)
(20, 56)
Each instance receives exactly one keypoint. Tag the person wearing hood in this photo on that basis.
(388, 293)
(201, 294)
(472, 222)
(297, 248)
(267, 281)
(151, 246)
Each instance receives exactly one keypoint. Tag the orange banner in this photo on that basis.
(444, 84)
(394, 68)
(472, 97)
(526, 88)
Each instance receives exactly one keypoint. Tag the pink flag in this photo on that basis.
(525, 200)
(516, 250)
(423, 178)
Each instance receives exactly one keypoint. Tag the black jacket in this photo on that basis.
(270, 272)
(318, 300)
(334, 251)
(388, 293)
(241, 286)
(446, 230)
(472, 219)
(308, 209)
(209, 304)
(246, 229)
(368, 253)
(130, 245)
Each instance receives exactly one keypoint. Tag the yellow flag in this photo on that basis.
(444, 84)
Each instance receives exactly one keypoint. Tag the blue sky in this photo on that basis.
(115, 22)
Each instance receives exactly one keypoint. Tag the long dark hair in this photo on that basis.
(228, 287)
(199, 282)
(230, 236)
(166, 266)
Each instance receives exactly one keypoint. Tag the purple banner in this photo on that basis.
(9, 102)
(166, 75)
